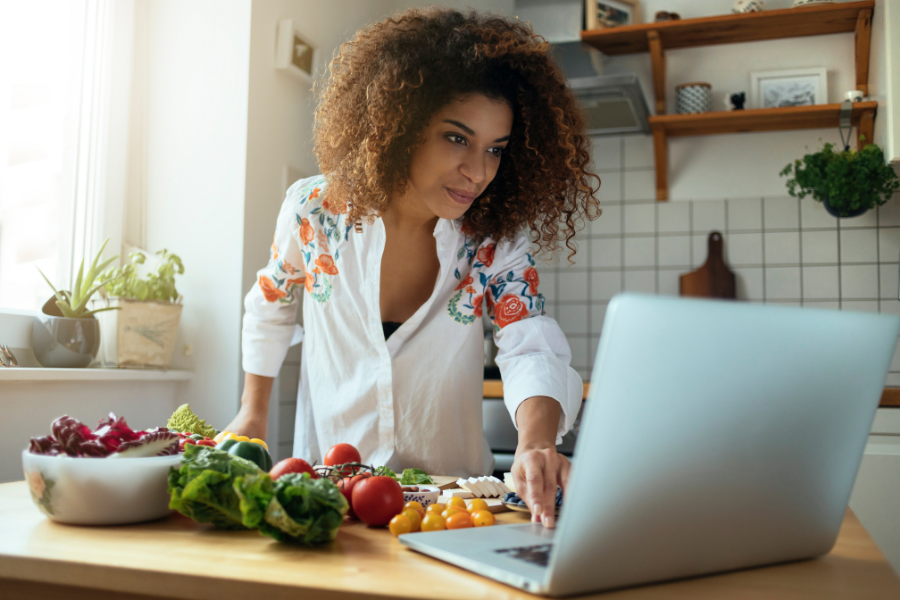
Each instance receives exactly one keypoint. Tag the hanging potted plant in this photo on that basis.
(142, 333)
(848, 183)
(66, 334)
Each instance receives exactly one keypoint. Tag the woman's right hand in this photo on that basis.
(248, 423)
(253, 417)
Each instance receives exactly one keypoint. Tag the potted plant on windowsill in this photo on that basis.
(142, 333)
(847, 183)
(66, 333)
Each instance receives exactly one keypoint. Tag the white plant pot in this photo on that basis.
(139, 335)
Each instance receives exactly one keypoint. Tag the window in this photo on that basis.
(57, 63)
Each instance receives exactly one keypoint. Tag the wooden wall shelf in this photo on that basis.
(656, 38)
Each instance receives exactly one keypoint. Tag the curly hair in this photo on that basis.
(385, 85)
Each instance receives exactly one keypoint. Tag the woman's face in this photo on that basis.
(460, 154)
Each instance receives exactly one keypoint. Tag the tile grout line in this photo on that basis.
(800, 249)
(839, 268)
(762, 209)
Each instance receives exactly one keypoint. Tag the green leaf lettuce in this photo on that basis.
(295, 508)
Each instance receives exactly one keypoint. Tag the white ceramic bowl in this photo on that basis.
(427, 494)
(99, 491)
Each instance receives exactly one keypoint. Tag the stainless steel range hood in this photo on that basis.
(613, 104)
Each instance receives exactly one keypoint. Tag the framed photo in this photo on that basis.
(601, 14)
(795, 87)
(294, 52)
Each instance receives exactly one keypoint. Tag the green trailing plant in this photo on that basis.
(849, 182)
(74, 304)
(123, 282)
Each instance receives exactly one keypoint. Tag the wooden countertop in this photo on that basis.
(493, 388)
(177, 558)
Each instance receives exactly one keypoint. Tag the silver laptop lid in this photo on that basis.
(717, 435)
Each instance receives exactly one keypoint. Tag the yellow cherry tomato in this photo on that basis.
(459, 520)
(414, 517)
(456, 502)
(483, 518)
(400, 525)
(418, 507)
(434, 509)
(476, 504)
(453, 510)
(433, 522)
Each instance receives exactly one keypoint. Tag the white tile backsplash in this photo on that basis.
(820, 283)
(547, 283)
(669, 281)
(814, 216)
(674, 217)
(781, 213)
(605, 284)
(744, 249)
(782, 283)
(640, 251)
(674, 251)
(859, 245)
(638, 151)
(606, 252)
(889, 213)
(699, 249)
(782, 248)
(610, 188)
(749, 283)
(888, 275)
(819, 247)
(580, 354)
(709, 215)
(745, 214)
(859, 282)
(869, 306)
(640, 218)
(832, 305)
(573, 318)
(867, 219)
(609, 222)
(573, 287)
(639, 185)
(598, 314)
(607, 153)
(889, 244)
(640, 281)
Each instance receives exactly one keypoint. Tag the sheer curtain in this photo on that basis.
(64, 77)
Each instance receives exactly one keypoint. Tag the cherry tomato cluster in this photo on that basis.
(454, 515)
(194, 438)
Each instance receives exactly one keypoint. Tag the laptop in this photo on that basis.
(717, 435)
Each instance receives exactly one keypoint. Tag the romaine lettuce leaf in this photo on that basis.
(203, 488)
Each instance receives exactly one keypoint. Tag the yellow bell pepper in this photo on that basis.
(227, 435)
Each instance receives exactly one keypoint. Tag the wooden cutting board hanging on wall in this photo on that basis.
(714, 279)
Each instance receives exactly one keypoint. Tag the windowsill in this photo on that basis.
(41, 374)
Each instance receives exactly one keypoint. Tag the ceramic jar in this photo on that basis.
(693, 98)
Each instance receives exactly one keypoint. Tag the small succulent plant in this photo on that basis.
(74, 304)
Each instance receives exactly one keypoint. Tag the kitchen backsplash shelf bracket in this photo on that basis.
(656, 38)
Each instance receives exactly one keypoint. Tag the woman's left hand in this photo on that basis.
(537, 470)
(538, 467)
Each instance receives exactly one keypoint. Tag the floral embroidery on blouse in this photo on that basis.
(317, 234)
(510, 295)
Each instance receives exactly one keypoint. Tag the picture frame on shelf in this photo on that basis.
(601, 14)
(791, 87)
(295, 53)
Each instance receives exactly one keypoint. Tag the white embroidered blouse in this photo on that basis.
(415, 399)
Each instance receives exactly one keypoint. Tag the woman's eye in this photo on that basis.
(456, 139)
(498, 152)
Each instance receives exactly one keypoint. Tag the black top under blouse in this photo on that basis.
(389, 327)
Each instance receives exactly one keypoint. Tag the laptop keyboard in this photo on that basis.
(538, 554)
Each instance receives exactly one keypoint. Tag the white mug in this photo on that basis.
(855, 95)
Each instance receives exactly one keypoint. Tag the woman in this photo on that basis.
(449, 145)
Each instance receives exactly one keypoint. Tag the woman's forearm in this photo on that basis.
(537, 420)
(255, 398)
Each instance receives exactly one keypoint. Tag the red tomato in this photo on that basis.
(340, 454)
(292, 465)
(376, 500)
(346, 486)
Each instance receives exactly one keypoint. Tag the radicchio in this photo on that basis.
(113, 437)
